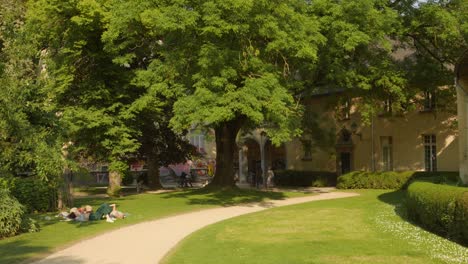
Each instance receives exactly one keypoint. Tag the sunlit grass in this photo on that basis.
(364, 229)
(56, 234)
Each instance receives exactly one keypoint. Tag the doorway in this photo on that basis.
(345, 158)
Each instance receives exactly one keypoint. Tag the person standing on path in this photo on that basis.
(270, 176)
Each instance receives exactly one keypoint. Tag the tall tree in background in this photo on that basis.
(29, 131)
(91, 93)
(132, 47)
(228, 64)
(105, 111)
(437, 32)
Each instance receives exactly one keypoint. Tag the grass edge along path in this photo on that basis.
(150, 241)
(56, 235)
(365, 229)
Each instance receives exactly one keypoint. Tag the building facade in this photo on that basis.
(461, 81)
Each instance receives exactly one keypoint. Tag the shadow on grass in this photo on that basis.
(64, 259)
(223, 196)
(17, 251)
(396, 199)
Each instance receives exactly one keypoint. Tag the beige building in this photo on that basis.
(462, 102)
(423, 139)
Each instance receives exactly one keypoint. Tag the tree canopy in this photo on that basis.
(108, 78)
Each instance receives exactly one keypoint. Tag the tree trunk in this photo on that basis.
(65, 190)
(115, 181)
(65, 195)
(225, 146)
(153, 172)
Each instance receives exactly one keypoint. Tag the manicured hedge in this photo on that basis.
(389, 179)
(442, 209)
(11, 214)
(304, 178)
(34, 194)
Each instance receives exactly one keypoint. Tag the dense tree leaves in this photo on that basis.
(28, 125)
(228, 63)
(109, 77)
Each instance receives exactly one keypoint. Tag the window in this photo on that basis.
(430, 153)
(198, 140)
(387, 153)
(387, 107)
(344, 110)
(429, 101)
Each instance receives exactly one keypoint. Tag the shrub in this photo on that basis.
(389, 179)
(29, 225)
(127, 178)
(11, 213)
(34, 194)
(304, 178)
(440, 208)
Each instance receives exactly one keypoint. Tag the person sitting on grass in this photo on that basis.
(106, 210)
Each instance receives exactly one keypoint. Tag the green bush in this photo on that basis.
(28, 225)
(389, 179)
(442, 209)
(34, 194)
(304, 178)
(11, 214)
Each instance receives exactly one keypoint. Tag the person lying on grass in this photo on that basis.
(86, 213)
(109, 211)
(78, 214)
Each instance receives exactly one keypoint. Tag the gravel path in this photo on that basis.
(148, 242)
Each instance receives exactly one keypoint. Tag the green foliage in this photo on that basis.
(221, 60)
(389, 179)
(11, 213)
(28, 124)
(36, 195)
(90, 93)
(304, 178)
(442, 209)
(127, 178)
(29, 225)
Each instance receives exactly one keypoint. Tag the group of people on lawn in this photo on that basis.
(86, 213)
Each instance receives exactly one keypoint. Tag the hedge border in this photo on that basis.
(442, 209)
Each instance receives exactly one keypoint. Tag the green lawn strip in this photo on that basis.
(364, 229)
(55, 234)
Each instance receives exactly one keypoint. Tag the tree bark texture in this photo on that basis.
(225, 146)
(65, 195)
(153, 172)
(115, 182)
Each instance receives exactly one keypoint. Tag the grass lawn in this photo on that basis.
(364, 229)
(55, 234)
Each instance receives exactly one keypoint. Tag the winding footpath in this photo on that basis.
(148, 242)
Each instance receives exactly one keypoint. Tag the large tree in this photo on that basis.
(91, 95)
(105, 112)
(29, 131)
(228, 63)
